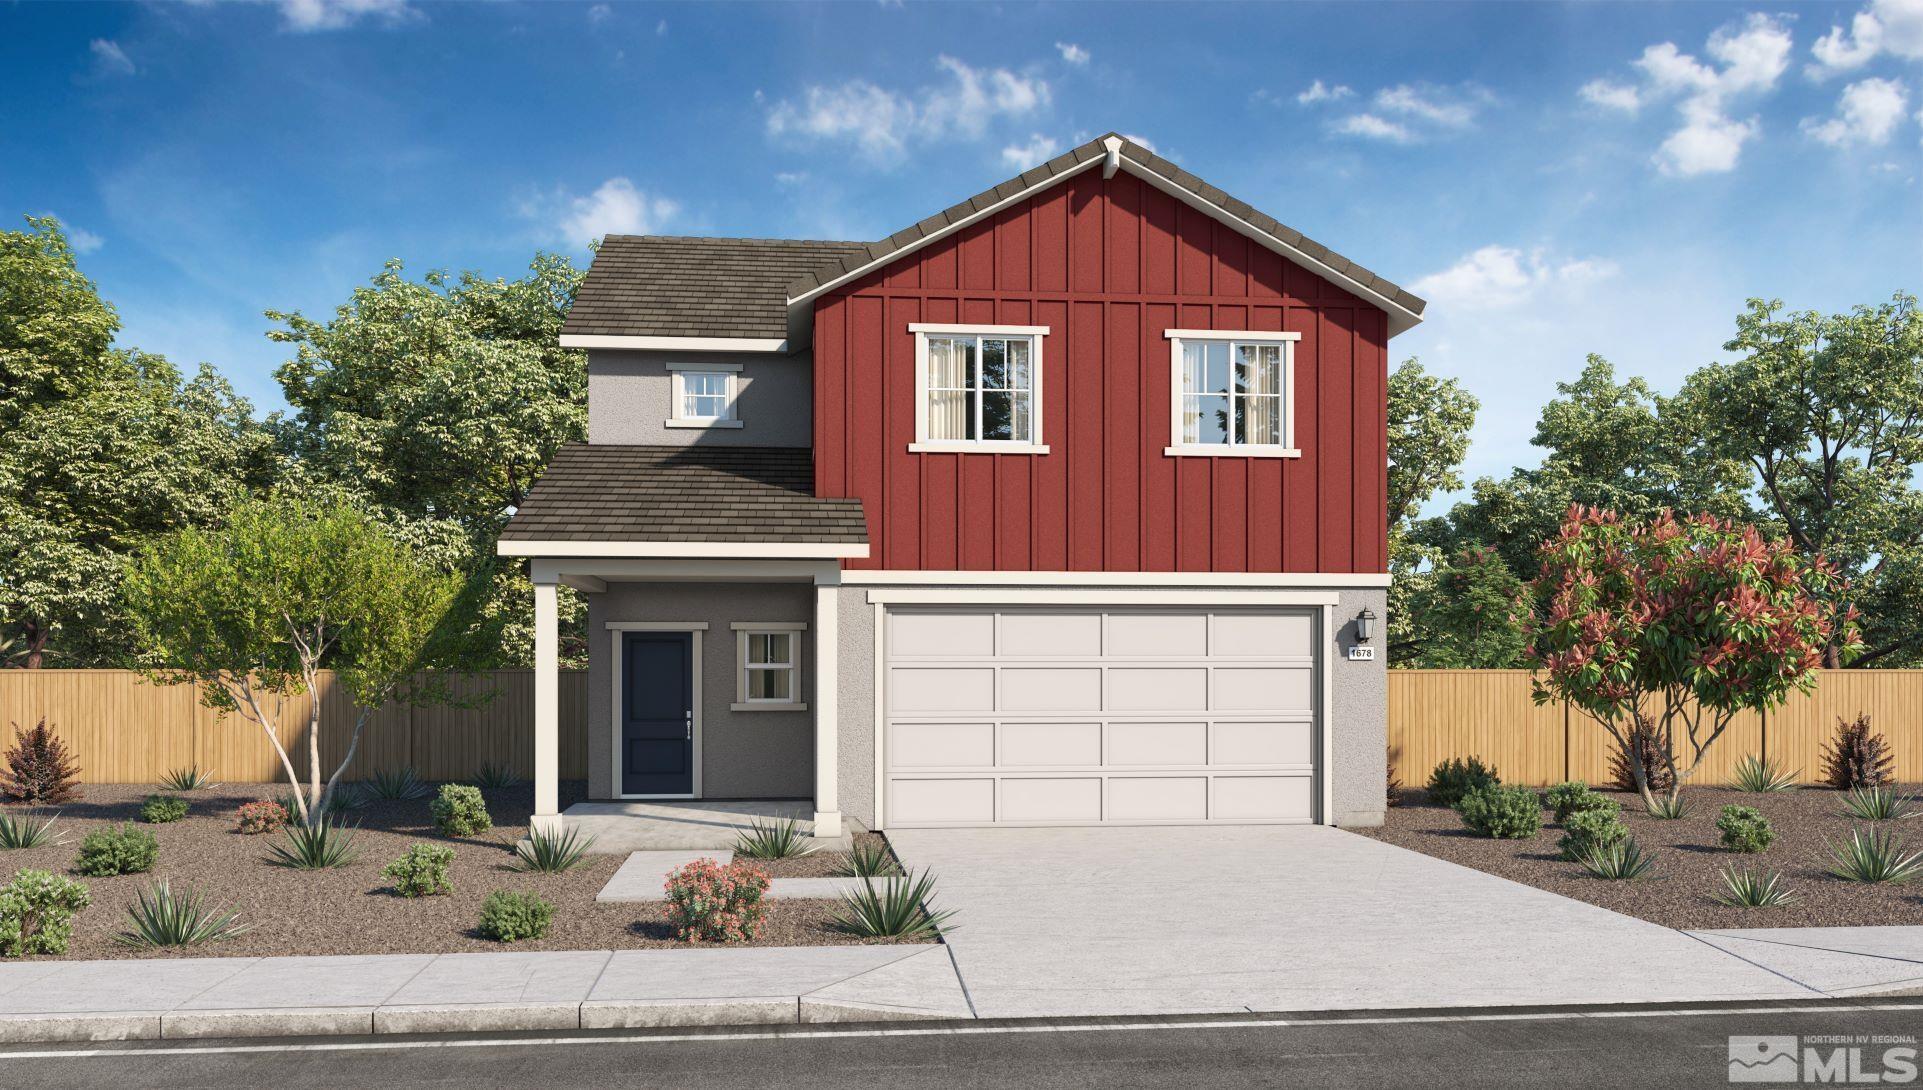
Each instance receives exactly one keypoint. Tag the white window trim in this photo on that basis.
(1179, 449)
(744, 629)
(677, 395)
(925, 445)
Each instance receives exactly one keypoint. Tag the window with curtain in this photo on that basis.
(706, 395)
(980, 388)
(1231, 394)
(770, 666)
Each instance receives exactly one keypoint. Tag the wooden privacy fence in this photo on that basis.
(126, 730)
(1438, 714)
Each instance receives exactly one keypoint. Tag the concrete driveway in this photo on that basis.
(1280, 918)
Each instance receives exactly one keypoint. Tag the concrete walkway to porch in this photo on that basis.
(622, 827)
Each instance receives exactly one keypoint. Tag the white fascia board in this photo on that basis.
(704, 549)
(670, 570)
(676, 344)
(1264, 580)
(1161, 596)
(984, 330)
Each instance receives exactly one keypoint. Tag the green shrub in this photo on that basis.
(551, 853)
(320, 846)
(1506, 813)
(1455, 777)
(1877, 804)
(772, 840)
(1877, 857)
(1621, 861)
(460, 810)
(1745, 829)
(710, 902)
(896, 908)
(422, 872)
(36, 912)
(865, 861)
(1668, 808)
(161, 809)
(494, 777)
(1590, 831)
(507, 916)
(1760, 777)
(1747, 889)
(190, 778)
(1562, 799)
(393, 785)
(26, 831)
(162, 918)
(119, 850)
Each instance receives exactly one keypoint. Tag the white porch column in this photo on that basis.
(547, 709)
(827, 680)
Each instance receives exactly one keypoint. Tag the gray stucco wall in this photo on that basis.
(629, 395)
(1359, 725)
(754, 754)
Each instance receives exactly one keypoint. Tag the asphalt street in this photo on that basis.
(1623, 1049)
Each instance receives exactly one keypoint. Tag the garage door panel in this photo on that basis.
(1263, 743)
(913, 801)
(1270, 635)
(1158, 798)
(1051, 744)
(1264, 798)
(941, 635)
(1056, 689)
(1260, 689)
(1148, 689)
(936, 690)
(1062, 799)
(1158, 743)
(1050, 635)
(941, 745)
(1158, 635)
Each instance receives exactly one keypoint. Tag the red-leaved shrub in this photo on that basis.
(708, 902)
(261, 816)
(40, 768)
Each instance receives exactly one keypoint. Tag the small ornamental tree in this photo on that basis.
(255, 610)
(1685, 622)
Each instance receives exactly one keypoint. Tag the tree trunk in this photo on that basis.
(36, 646)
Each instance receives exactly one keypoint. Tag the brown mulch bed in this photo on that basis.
(1689, 861)
(353, 909)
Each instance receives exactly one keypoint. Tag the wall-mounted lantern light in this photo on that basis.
(1364, 626)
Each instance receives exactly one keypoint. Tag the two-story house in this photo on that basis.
(1065, 505)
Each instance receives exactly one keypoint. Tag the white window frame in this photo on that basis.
(1033, 334)
(1285, 449)
(794, 631)
(678, 389)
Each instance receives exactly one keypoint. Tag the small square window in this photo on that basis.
(702, 398)
(770, 663)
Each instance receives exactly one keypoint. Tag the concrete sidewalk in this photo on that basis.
(491, 992)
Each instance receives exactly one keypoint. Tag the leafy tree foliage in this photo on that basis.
(103, 447)
(1429, 422)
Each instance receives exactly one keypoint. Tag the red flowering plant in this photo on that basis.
(1686, 622)
(708, 902)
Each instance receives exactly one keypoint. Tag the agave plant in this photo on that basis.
(26, 831)
(548, 853)
(190, 778)
(493, 777)
(1877, 804)
(162, 918)
(1748, 889)
(320, 846)
(1876, 857)
(1669, 808)
(1618, 861)
(897, 908)
(865, 861)
(394, 785)
(1760, 777)
(767, 840)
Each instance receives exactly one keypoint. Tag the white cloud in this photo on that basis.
(1744, 58)
(1072, 53)
(109, 59)
(616, 207)
(791, 177)
(1867, 112)
(1039, 149)
(1503, 276)
(304, 16)
(1886, 26)
(82, 240)
(599, 13)
(1427, 104)
(882, 123)
(1615, 96)
(1322, 92)
(1374, 128)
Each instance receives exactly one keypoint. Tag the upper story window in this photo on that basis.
(702, 395)
(1232, 394)
(978, 388)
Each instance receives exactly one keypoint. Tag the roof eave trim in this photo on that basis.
(711, 550)
(675, 344)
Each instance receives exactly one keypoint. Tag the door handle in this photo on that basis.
(690, 736)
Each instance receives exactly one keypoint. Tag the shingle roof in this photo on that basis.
(663, 286)
(1069, 161)
(608, 492)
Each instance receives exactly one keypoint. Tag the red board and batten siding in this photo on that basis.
(1108, 266)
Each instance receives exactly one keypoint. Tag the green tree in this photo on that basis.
(1473, 608)
(103, 447)
(1429, 422)
(438, 402)
(289, 587)
(1827, 412)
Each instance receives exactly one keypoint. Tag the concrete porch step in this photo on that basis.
(691, 824)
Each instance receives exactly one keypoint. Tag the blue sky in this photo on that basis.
(1556, 179)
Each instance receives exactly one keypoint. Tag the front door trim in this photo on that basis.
(616, 630)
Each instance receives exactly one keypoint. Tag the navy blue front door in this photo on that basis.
(657, 713)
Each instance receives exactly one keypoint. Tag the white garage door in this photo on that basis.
(1011, 716)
